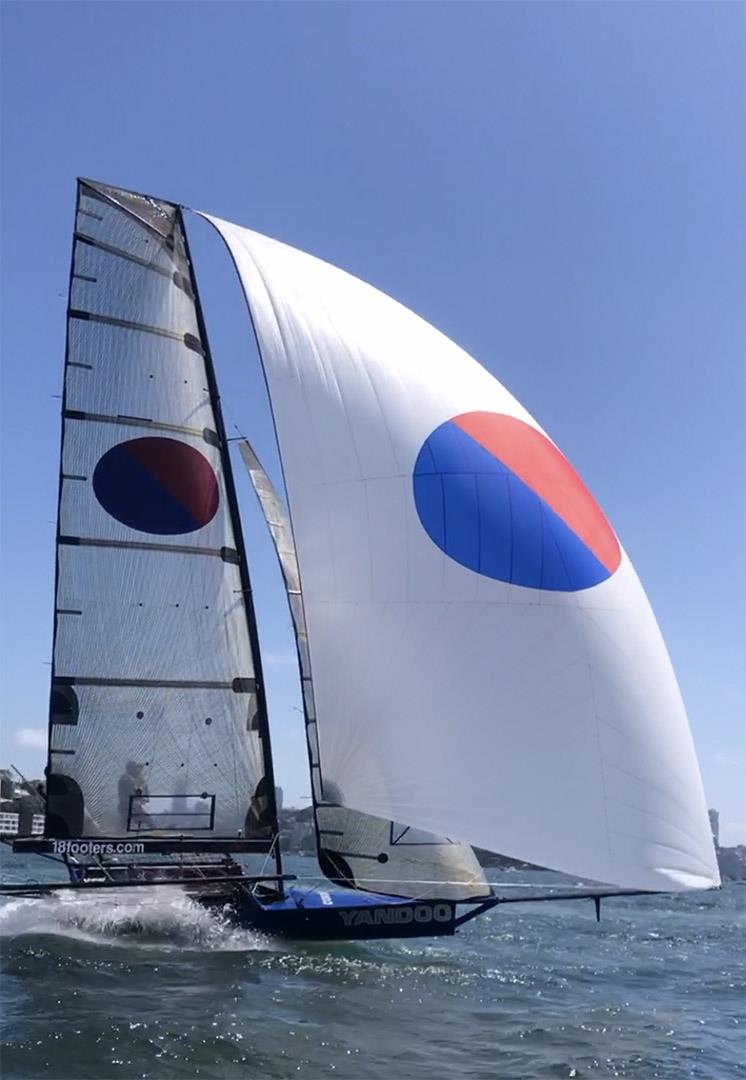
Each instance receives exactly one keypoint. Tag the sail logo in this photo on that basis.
(97, 847)
(157, 485)
(498, 497)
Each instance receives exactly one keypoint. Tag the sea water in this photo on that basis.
(146, 984)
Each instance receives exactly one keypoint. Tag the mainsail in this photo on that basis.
(486, 664)
(355, 849)
(157, 725)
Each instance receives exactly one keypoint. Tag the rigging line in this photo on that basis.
(166, 729)
(651, 754)
(596, 725)
(228, 412)
(647, 781)
(498, 885)
(222, 773)
(234, 749)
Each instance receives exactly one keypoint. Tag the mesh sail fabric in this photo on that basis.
(486, 664)
(355, 849)
(380, 856)
(153, 725)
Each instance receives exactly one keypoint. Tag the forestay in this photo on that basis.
(486, 664)
(157, 725)
(355, 849)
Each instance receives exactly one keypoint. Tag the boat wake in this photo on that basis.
(162, 917)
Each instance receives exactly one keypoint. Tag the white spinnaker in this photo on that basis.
(545, 725)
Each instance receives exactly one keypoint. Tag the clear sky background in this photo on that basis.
(558, 187)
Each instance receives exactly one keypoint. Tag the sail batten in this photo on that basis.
(486, 664)
(224, 553)
(85, 680)
(129, 324)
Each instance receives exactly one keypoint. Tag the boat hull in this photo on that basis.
(341, 915)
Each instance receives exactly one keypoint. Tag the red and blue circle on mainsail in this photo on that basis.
(157, 485)
(498, 497)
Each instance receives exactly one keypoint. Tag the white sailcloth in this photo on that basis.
(354, 849)
(526, 710)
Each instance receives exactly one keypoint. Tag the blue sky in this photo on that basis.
(557, 187)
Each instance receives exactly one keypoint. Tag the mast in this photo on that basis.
(262, 717)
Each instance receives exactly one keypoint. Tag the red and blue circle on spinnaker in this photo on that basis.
(498, 497)
(157, 485)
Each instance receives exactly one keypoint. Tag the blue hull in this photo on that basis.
(345, 915)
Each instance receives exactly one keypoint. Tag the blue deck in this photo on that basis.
(345, 914)
(333, 897)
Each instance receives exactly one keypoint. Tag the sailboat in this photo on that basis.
(478, 659)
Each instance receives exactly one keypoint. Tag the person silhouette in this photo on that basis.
(132, 786)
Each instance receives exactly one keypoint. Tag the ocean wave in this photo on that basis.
(161, 917)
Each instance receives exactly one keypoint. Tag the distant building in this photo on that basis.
(714, 817)
(8, 823)
(297, 832)
(278, 798)
(26, 817)
(732, 862)
(21, 822)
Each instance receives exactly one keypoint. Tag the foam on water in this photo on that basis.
(160, 917)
